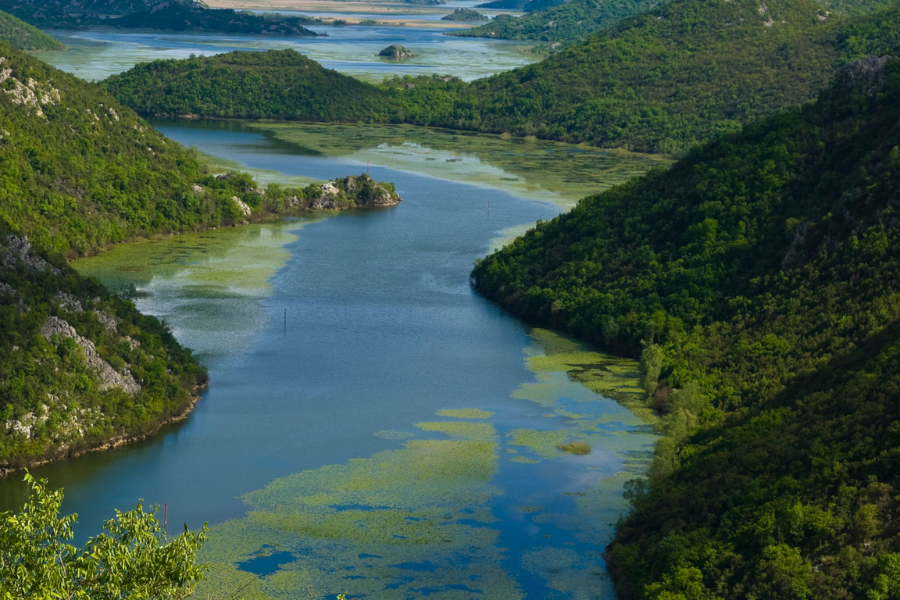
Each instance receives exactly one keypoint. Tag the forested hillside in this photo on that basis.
(177, 15)
(758, 278)
(23, 36)
(572, 20)
(280, 84)
(662, 81)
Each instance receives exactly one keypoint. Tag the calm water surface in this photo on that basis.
(96, 54)
(372, 426)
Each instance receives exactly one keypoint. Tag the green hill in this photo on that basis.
(23, 36)
(759, 275)
(682, 73)
(198, 18)
(464, 14)
(575, 19)
(274, 84)
(685, 72)
(176, 15)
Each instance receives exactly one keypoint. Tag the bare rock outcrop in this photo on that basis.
(868, 71)
(109, 377)
(19, 249)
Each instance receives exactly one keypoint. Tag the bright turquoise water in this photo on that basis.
(450, 409)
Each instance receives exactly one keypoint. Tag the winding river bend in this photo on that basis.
(373, 427)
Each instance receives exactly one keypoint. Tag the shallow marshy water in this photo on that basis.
(372, 426)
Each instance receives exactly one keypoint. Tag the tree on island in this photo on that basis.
(396, 52)
(464, 14)
(130, 559)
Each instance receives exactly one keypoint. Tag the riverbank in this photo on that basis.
(101, 445)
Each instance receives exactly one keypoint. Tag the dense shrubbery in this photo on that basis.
(574, 19)
(758, 278)
(23, 36)
(274, 84)
(686, 72)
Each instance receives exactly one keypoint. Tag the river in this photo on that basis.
(372, 426)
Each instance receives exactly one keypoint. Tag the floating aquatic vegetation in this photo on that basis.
(427, 518)
(466, 413)
(575, 447)
(538, 169)
(402, 522)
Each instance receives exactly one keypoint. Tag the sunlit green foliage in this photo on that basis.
(758, 277)
(51, 401)
(23, 36)
(688, 71)
(131, 558)
(274, 84)
(575, 19)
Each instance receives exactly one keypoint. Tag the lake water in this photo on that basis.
(372, 426)
(98, 53)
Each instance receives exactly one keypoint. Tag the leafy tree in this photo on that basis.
(131, 558)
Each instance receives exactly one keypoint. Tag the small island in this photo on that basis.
(465, 14)
(396, 52)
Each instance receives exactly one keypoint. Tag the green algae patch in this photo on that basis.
(554, 355)
(575, 447)
(263, 177)
(216, 279)
(536, 169)
(466, 413)
(388, 526)
(542, 443)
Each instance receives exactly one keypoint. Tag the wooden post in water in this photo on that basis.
(285, 320)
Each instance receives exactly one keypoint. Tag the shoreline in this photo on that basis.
(109, 443)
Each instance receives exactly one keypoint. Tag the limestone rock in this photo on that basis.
(109, 377)
(19, 249)
(244, 208)
(396, 52)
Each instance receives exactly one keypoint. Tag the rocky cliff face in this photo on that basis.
(79, 368)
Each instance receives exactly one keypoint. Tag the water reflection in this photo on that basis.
(95, 54)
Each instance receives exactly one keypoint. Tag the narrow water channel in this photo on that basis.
(372, 426)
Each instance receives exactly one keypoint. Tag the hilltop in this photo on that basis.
(280, 84)
(757, 278)
(176, 15)
(23, 36)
